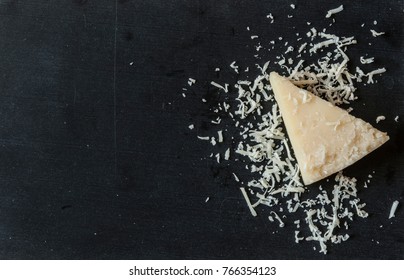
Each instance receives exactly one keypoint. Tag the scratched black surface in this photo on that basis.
(97, 161)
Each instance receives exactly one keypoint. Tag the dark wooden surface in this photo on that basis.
(97, 161)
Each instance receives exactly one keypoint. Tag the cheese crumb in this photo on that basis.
(252, 210)
(270, 16)
(374, 72)
(224, 88)
(234, 66)
(227, 154)
(220, 136)
(393, 209)
(396, 119)
(191, 126)
(375, 34)
(380, 118)
(334, 11)
(367, 60)
(276, 216)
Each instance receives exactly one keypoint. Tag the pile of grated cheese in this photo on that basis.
(273, 186)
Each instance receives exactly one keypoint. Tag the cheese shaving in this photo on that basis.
(276, 216)
(393, 209)
(252, 210)
(224, 88)
(220, 136)
(380, 118)
(227, 154)
(334, 11)
(236, 178)
(374, 72)
(367, 60)
(376, 34)
(217, 158)
(234, 66)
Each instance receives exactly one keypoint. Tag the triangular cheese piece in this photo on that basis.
(325, 138)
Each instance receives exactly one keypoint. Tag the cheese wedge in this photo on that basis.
(325, 138)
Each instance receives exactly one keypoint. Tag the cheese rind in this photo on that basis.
(325, 138)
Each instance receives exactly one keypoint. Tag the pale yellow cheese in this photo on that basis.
(325, 138)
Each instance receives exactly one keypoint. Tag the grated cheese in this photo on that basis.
(393, 209)
(252, 210)
(375, 34)
(224, 88)
(213, 141)
(264, 147)
(220, 136)
(217, 158)
(191, 126)
(227, 154)
(234, 66)
(334, 11)
(270, 16)
(380, 118)
(276, 216)
(374, 72)
(367, 60)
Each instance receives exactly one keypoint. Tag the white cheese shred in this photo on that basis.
(276, 216)
(224, 88)
(236, 178)
(220, 136)
(380, 118)
(393, 209)
(334, 11)
(227, 154)
(206, 138)
(376, 34)
(374, 72)
(252, 210)
(367, 60)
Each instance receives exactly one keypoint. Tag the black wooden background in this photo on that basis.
(97, 162)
